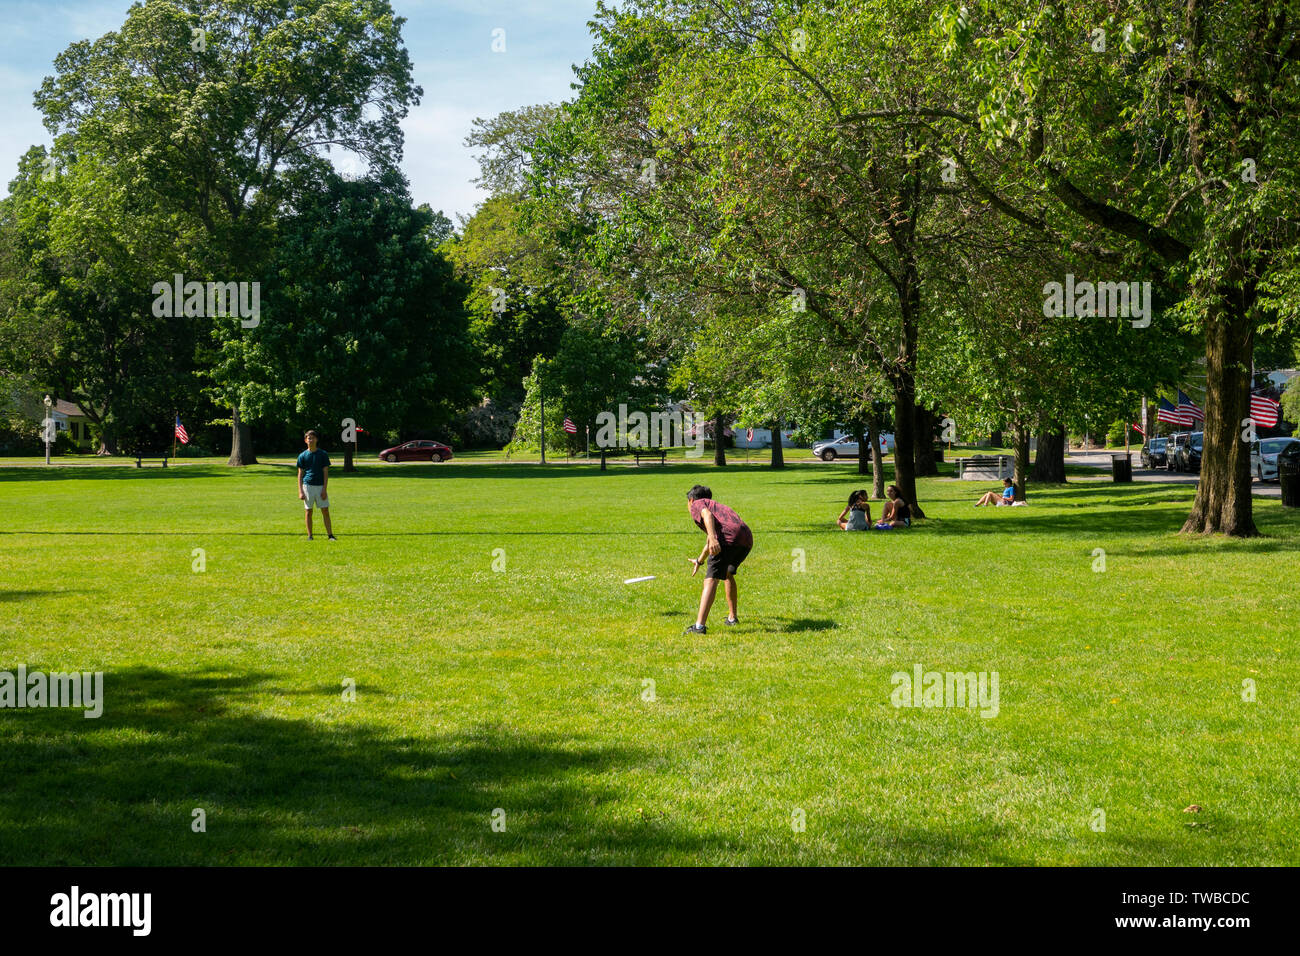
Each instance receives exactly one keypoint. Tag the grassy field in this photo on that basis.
(521, 694)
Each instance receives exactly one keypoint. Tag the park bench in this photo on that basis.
(139, 459)
(650, 454)
(984, 467)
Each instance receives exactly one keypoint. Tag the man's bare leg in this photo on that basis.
(325, 513)
(707, 595)
(309, 511)
(730, 591)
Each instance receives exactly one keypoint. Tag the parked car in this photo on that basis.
(1172, 446)
(1263, 456)
(1189, 453)
(1153, 453)
(417, 451)
(1290, 456)
(847, 447)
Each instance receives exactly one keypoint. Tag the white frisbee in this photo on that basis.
(648, 577)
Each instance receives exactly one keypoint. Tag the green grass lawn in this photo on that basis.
(524, 689)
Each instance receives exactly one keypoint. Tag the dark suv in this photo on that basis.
(1188, 455)
(1153, 453)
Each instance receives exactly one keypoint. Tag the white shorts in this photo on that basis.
(315, 497)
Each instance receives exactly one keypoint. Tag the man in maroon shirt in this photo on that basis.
(729, 543)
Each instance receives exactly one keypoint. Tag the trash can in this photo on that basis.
(1121, 468)
(1288, 477)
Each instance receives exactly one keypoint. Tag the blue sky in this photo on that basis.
(450, 43)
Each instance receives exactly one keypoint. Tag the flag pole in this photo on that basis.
(176, 416)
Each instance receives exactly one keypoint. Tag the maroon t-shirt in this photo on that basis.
(731, 530)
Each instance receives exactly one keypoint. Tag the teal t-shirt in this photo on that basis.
(313, 465)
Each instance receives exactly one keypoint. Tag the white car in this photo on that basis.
(847, 447)
(1263, 456)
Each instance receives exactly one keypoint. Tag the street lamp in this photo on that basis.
(49, 427)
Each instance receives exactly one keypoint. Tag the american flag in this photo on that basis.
(1190, 408)
(1264, 411)
(749, 434)
(569, 427)
(181, 434)
(1174, 416)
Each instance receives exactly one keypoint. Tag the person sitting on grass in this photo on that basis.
(856, 515)
(1006, 497)
(897, 513)
(728, 544)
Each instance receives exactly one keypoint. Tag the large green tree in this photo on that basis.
(365, 319)
(78, 251)
(1168, 128)
(204, 106)
(517, 293)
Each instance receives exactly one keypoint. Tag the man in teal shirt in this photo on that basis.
(313, 477)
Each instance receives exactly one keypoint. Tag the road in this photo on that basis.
(1101, 461)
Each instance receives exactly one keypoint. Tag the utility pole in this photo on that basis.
(48, 426)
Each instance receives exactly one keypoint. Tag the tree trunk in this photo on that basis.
(241, 441)
(877, 462)
(778, 451)
(1049, 465)
(1022, 461)
(923, 454)
(349, 451)
(1223, 502)
(864, 436)
(719, 441)
(905, 439)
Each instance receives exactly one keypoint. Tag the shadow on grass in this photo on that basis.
(120, 790)
(121, 472)
(29, 595)
(798, 625)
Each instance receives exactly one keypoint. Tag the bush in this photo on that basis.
(486, 425)
(64, 445)
(19, 437)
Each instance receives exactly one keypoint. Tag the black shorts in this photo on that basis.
(724, 564)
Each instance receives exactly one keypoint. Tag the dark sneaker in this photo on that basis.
(696, 629)
(311, 537)
(732, 620)
(332, 538)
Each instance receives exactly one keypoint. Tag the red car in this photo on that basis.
(417, 451)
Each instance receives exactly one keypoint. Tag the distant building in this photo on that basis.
(763, 438)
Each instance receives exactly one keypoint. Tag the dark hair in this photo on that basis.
(312, 433)
(855, 497)
(894, 491)
(1007, 481)
(698, 492)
